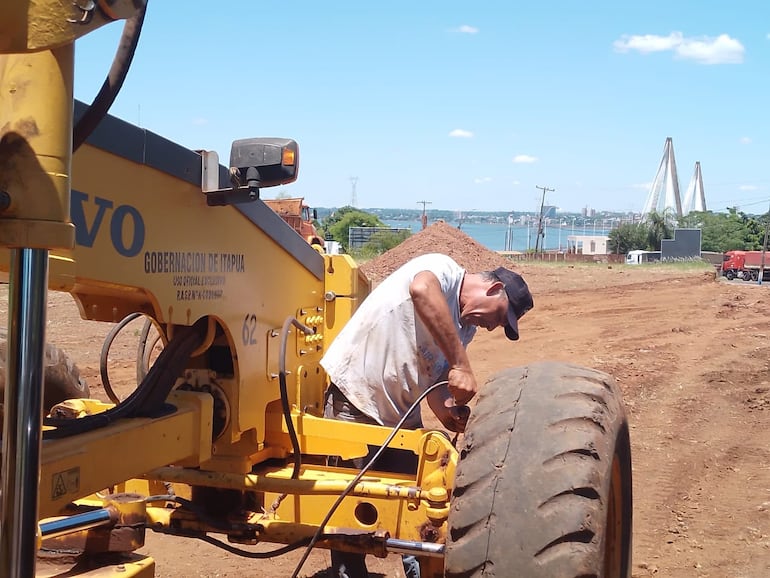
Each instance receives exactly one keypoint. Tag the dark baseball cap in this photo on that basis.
(519, 299)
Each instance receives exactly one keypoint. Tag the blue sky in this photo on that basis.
(467, 105)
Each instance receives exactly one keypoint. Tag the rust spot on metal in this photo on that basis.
(428, 532)
(27, 127)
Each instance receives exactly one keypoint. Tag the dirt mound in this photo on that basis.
(439, 237)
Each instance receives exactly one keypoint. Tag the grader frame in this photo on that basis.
(224, 434)
(124, 226)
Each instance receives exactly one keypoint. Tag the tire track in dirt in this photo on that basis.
(691, 357)
(694, 442)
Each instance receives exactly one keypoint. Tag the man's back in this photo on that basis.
(385, 356)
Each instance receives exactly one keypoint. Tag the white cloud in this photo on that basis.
(721, 49)
(748, 188)
(642, 186)
(646, 43)
(461, 133)
(482, 180)
(745, 140)
(516, 183)
(200, 121)
(524, 159)
(467, 29)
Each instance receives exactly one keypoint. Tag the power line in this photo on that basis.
(764, 251)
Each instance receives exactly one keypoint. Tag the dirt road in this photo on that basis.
(692, 356)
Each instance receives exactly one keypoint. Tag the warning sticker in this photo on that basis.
(66, 482)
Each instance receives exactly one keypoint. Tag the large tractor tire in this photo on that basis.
(543, 483)
(61, 377)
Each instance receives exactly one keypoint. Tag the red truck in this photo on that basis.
(745, 265)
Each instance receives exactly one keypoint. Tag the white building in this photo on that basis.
(588, 244)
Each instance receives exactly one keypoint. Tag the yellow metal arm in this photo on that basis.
(44, 24)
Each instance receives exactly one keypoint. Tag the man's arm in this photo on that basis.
(452, 416)
(430, 304)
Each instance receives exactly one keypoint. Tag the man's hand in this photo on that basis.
(462, 385)
(459, 415)
(452, 416)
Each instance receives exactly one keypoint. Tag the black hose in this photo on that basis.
(258, 555)
(285, 391)
(219, 527)
(354, 481)
(148, 400)
(144, 353)
(105, 354)
(114, 81)
(285, 408)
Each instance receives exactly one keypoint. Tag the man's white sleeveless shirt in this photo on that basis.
(385, 357)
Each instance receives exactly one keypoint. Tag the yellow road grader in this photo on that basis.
(223, 437)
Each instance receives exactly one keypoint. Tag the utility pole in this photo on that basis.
(540, 233)
(764, 250)
(353, 197)
(424, 218)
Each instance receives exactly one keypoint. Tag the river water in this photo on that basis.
(522, 238)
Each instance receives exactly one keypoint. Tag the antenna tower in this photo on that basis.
(353, 197)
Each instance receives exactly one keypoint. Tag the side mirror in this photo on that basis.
(264, 162)
(257, 163)
(315, 215)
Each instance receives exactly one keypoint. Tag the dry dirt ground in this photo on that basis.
(692, 356)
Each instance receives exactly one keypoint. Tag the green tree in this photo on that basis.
(380, 242)
(659, 226)
(334, 217)
(727, 231)
(627, 237)
(338, 223)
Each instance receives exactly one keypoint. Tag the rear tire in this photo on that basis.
(61, 377)
(543, 484)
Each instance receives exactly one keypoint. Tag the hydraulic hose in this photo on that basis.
(320, 530)
(285, 407)
(143, 352)
(105, 354)
(149, 398)
(285, 391)
(114, 81)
